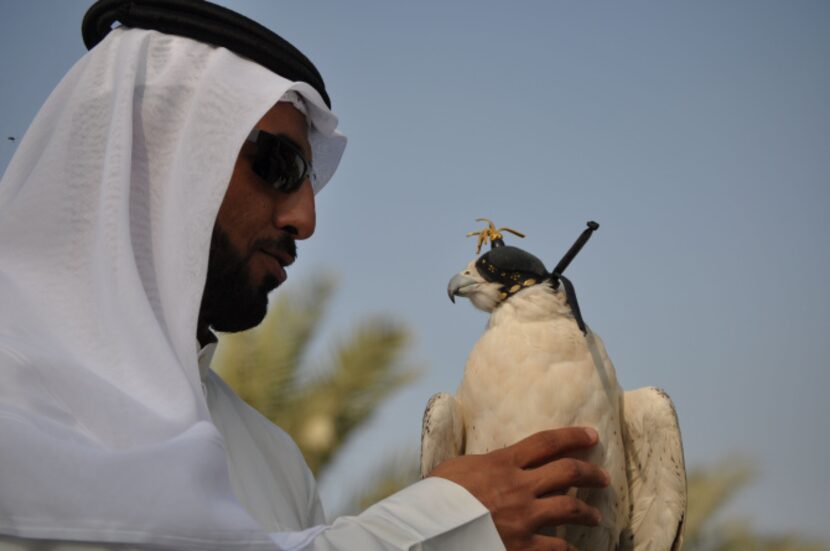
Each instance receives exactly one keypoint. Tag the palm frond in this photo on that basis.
(262, 364)
(324, 412)
(319, 411)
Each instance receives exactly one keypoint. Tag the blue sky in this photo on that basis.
(696, 133)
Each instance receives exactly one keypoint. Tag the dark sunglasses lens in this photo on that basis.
(292, 168)
(282, 167)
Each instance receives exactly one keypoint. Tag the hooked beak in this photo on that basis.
(457, 284)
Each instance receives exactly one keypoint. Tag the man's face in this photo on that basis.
(253, 239)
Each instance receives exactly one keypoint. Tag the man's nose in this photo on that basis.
(295, 212)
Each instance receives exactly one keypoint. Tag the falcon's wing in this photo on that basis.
(442, 432)
(656, 470)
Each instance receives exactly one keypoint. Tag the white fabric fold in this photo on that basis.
(106, 212)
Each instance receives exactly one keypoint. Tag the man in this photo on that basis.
(159, 194)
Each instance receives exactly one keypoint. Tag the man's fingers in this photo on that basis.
(546, 445)
(565, 509)
(561, 475)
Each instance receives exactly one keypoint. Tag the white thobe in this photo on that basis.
(272, 481)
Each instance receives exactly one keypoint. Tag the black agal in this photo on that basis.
(209, 23)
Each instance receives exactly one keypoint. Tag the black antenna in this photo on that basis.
(575, 248)
(557, 277)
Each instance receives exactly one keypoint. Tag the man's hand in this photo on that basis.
(523, 486)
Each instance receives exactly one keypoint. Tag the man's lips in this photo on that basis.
(283, 257)
(279, 258)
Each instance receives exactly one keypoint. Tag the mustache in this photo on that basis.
(283, 242)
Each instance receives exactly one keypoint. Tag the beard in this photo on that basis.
(231, 301)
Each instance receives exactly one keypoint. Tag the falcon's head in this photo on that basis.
(497, 275)
(504, 271)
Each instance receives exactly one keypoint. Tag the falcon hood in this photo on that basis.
(504, 271)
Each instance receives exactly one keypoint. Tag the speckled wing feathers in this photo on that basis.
(656, 470)
(442, 432)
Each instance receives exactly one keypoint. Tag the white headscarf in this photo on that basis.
(106, 213)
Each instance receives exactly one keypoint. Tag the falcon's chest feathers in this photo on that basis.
(531, 370)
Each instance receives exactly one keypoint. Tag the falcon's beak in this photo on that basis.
(458, 283)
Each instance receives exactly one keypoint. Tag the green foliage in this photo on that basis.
(321, 407)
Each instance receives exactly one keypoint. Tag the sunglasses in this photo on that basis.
(279, 162)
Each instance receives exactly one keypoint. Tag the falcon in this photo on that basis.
(538, 366)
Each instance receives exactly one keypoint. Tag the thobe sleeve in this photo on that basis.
(431, 515)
